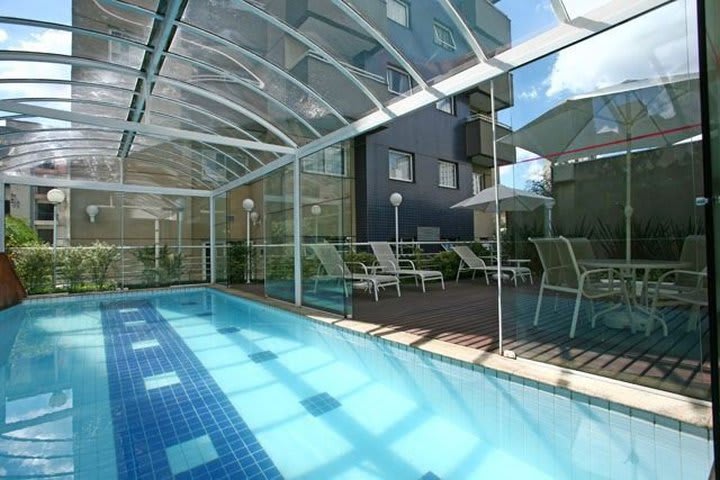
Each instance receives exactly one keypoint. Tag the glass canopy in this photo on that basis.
(197, 94)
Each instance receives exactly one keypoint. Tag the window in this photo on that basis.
(443, 36)
(329, 161)
(401, 165)
(478, 182)
(446, 105)
(397, 80)
(447, 174)
(44, 211)
(399, 12)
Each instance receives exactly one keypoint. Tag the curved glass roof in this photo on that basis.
(199, 94)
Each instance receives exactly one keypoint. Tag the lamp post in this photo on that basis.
(316, 211)
(56, 197)
(248, 206)
(396, 199)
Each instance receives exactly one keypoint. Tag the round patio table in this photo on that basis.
(627, 269)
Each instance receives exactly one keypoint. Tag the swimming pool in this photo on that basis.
(200, 384)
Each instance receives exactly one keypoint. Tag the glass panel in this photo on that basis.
(278, 227)
(327, 180)
(502, 24)
(221, 238)
(165, 239)
(615, 152)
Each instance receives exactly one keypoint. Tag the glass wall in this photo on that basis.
(279, 258)
(608, 131)
(105, 240)
(221, 237)
(711, 22)
(327, 228)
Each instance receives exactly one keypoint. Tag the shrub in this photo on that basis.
(34, 266)
(19, 234)
(100, 259)
(71, 266)
(447, 263)
(169, 265)
(237, 259)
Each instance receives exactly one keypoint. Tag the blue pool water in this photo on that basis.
(197, 384)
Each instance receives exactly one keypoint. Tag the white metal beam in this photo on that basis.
(154, 130)
(101, 186)
(297, 231)
(213, 241)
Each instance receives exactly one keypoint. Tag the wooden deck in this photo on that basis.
(467, 314)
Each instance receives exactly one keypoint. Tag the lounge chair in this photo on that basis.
(336, 267)
(471, 262)
(389, 263)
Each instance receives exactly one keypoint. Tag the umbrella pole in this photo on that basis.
(628, 202)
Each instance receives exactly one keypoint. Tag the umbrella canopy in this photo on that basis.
(631, 116)
(511, 200)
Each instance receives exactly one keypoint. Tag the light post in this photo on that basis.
(248, 206)
(316, 211)
(396, 199)
(56, 197)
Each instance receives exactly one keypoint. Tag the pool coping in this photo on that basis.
(687, 410)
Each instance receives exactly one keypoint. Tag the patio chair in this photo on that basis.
(679, 287)
(471, 262)
(561, 273)
(336, 267)
(389, 263)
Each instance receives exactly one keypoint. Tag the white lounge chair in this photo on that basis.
(390, 264)
(471, 262)
(336, 267)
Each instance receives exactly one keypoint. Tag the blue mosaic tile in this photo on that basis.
(226, 330)
(320, 404)
(429, 476)
(204, 314)
(263, 356)
(148, 423)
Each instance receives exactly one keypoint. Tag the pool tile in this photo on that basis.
(190, 454)
(161, 380)
(429, 476)
(263, 356)
(145, 344)
(226, 330)
(320, 404)
(135, 323)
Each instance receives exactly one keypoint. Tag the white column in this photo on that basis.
(297, 247)
(213, 241)
(498, 249)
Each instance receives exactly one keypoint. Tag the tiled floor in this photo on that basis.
(169, 416)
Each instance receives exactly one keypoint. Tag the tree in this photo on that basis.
(18, 233)
(541, 184)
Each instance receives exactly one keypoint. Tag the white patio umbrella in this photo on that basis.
(510, 200)
(630, 116)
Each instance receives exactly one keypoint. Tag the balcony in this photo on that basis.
(478, 142)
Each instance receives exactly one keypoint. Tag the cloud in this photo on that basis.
(658, 44)
(531, 94)
(48, 41)
(3, 35)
